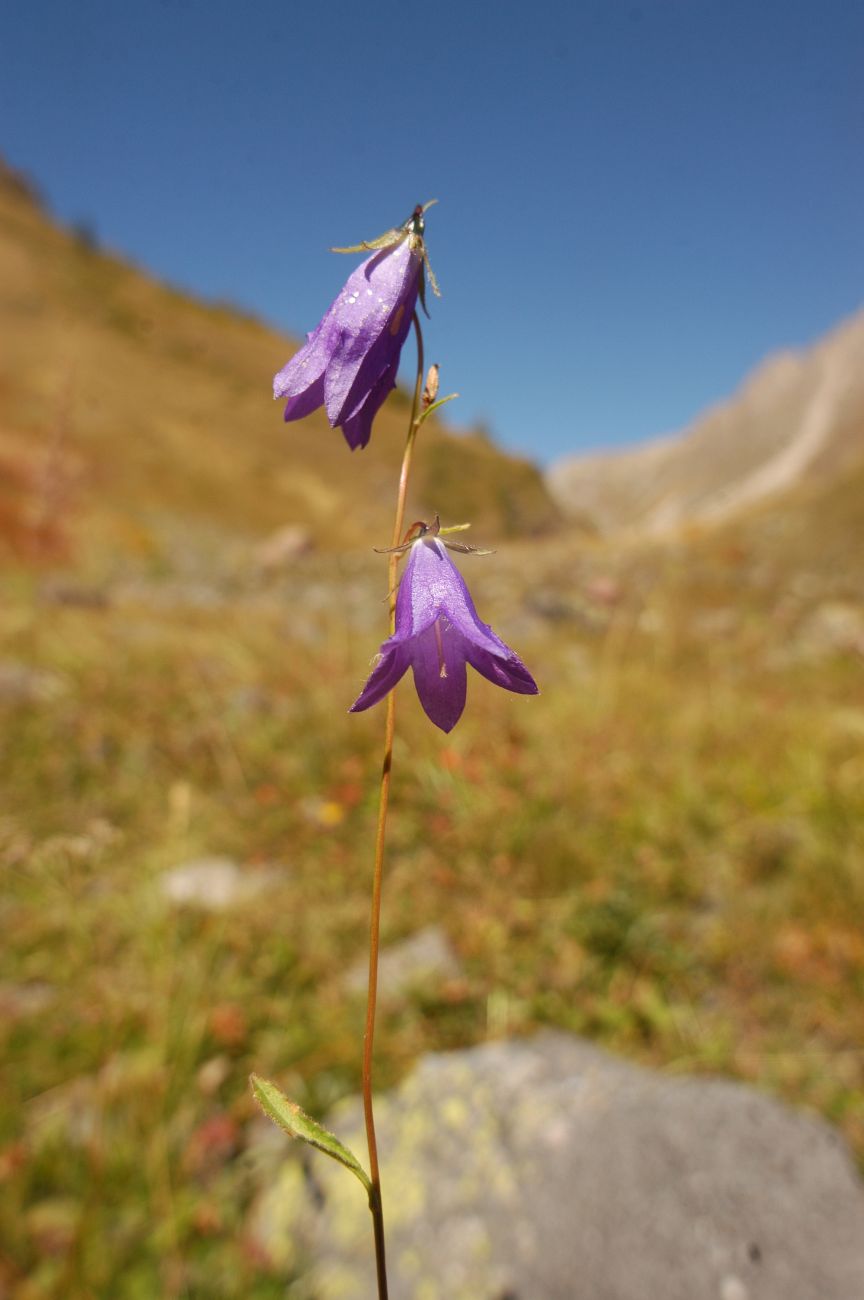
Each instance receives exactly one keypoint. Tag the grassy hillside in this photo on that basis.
(134, 417)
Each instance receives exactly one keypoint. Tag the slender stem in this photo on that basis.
(375, 1204)
(399, 521)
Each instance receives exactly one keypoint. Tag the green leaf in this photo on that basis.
(297, 1124)
(424, 415)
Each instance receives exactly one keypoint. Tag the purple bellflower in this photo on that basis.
(348, 363)
(437, 633)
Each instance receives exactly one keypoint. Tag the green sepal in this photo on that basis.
(297, 1124)
(434, 407)
(464, 549)
(431, 274)
(389, 239)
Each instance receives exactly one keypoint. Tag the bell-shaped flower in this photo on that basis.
(437, 633)
(349, 362)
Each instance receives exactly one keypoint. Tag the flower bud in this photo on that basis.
(430, 392)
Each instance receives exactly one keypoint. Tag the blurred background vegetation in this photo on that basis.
(664, 851)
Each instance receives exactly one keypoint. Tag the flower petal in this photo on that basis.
(384, 676)
(309, 363)
(438, 632)
(510, 673)
(439, 675)
(358, 429)
(418, 601)
(373, 314)
(432, 585)
(306, 402)
(383, 353)
(452, 597)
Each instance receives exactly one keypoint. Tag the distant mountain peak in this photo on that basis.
(799, 416)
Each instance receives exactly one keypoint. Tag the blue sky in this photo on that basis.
(638, 200)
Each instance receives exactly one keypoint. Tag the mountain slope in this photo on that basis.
(800, 415)
(128, 411)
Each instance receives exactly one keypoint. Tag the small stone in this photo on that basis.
(425, 958)
(22, 683)
(213, 884)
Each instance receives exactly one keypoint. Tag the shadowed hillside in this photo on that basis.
(135, 418)
(798, 419)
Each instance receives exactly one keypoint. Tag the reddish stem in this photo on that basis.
(375, 1202)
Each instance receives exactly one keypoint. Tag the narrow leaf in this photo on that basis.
(434, 407)
(297, 1124)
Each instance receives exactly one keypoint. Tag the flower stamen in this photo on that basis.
(442, 667)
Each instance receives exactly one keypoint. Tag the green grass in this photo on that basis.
(664, 852)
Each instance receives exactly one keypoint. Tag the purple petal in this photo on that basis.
(308, 364)
(384, 676)
(382, 354)
(417, 600)
(358, 429)
(372, 314)
(439, 675)
(437, 632)
(454, 599)
(428, 588)
(306, 402)
(510, 673)
(432, 585)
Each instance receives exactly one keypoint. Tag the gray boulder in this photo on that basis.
(547, 1169)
